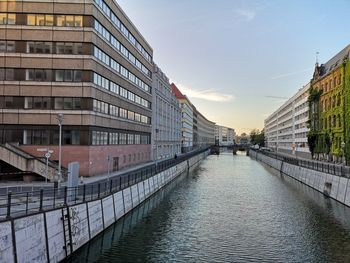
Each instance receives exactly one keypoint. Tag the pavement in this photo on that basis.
(20, 186)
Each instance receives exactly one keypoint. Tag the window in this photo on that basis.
(28, 102)
(130, 138)
(68, 103)
(123, 113)
(58, 103)
(7, 19)
(122, 138)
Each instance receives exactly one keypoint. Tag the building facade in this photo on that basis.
(83, 59)
(186, 120)
(224, 136)
(166, 116)
(286, 129)
(329, 115)
(203, 130)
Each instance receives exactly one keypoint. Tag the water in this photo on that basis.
(230, 209)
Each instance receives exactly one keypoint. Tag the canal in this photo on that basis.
(230, 209)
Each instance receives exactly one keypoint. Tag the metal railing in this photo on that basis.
(330, 168)
(24, 203)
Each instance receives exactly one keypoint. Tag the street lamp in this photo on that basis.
(60, 118)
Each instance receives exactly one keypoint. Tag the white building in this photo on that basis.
(286, 129)
(224, 136)
(186, 120)
(166, 118)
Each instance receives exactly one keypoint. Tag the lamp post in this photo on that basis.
(60, 118)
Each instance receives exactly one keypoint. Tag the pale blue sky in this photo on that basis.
(227, 55)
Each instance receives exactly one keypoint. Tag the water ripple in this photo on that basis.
(231, 209)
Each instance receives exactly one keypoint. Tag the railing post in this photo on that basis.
(120, 182)
(54, 197)
(41, 199)
(110, 186)
(84, 192)
(99, 189)
(65, 196)
(27, 199)
(9, 196)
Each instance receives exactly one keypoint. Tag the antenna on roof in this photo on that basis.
(317, 53)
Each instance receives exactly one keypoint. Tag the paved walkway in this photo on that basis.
(17, 186)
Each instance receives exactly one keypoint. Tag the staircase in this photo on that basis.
(26, 162)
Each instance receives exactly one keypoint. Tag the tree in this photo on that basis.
(257, 137)
(311, 141)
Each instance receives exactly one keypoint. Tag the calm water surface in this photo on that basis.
(230, 209)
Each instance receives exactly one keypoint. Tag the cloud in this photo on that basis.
(245, 14)
(210, 95)
(291, 73)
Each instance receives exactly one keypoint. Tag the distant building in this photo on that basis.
(166, 116)
(203, 130)
(224, 136)
(186, 120)
(286, 129)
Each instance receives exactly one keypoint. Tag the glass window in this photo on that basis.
(40, 20)
(27, 137)
(68, 75)
(59, 103)
(47, 47)
(10, 74)
(68, 103)
(36, 137)
(70, 21)
(60, 48)
(60, 20)
(11, 19)
(30, 20)
(37, 103)
(68, 48)
(2, 46)
(3, 18)
(10, 46)
(45, 137)
(28, 102)
(59, 75)
(77, 75)
(77, 103)
(75, 137)
(46, 103)
(48, 20)
(78, 21)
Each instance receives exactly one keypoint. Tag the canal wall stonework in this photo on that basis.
(333, 186)
(52, 236)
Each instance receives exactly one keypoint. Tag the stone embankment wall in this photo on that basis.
(51, 236)
(333, 186)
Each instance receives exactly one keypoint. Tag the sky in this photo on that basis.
(229, 57)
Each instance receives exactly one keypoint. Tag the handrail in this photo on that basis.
(330, 168)
(30, 202)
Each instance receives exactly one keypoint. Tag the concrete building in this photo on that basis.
(86, 60)
(203, 130)
(166, 116)
(224, 136)
(286, 129)
(186, 120)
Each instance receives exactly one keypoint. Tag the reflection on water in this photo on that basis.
(230, 209)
